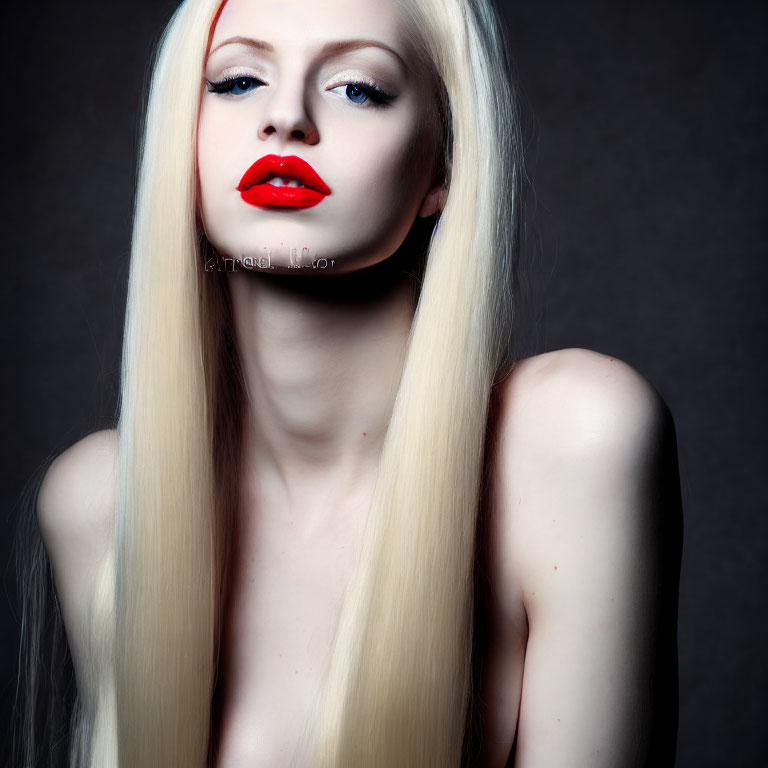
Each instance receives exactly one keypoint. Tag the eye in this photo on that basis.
(356, 94)
(365, 93)
(237, 85)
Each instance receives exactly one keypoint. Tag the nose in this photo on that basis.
(286, 116)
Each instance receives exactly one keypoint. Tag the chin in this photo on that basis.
(292, 250)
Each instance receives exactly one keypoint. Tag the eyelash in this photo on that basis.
(377, 96)
(227, 84)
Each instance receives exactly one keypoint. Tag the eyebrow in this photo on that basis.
(333, 48)
(250, 42)
(342, 46)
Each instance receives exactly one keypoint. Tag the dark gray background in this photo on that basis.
(646, 147)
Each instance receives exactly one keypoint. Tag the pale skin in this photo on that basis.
(582, 542)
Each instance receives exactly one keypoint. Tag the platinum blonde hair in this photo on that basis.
(398, 690)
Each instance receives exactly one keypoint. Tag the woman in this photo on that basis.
(338, 524)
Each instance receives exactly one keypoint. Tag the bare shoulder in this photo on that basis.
(575, 423)
(586, 539)
(570, 399)
(75, 505)
(75, 514)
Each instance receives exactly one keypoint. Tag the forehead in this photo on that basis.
(310, 21)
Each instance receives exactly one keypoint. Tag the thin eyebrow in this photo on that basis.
(260, 45)
(340, 46)
(352, 45)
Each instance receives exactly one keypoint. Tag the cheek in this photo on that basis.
(398, 166)
(212, 144)
(207, 160)
(386, 174)
(217, 168)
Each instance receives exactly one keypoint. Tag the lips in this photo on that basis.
(255, 187)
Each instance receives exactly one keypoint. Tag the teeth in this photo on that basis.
(279, 181)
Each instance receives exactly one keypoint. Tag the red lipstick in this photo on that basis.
(255, 187)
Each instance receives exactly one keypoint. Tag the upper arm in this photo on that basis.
(593, 532)
(75, 512)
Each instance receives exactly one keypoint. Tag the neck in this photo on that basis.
(321, 357)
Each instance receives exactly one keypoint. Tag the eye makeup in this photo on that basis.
(358, 89)
(339, 68)
(234, 83)
(363, 91)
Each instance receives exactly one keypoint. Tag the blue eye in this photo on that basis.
(356, 94)
(365, 94)
(237, 86)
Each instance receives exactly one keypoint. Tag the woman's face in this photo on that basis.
(333, 84)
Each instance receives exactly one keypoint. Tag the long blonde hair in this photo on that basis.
(398, 689)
